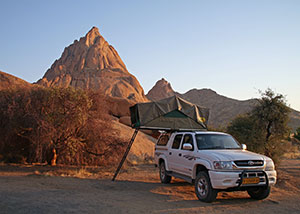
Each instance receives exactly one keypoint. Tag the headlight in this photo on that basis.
(222, 164)
(270, 165)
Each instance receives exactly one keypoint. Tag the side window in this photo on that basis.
(163, 140)
(188, 139)
(176, 142)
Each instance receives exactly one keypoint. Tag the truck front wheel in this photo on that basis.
(203, 188)
(259, 193)
(164, 177)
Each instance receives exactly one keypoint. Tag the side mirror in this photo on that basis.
(244, 146)
(187, 146)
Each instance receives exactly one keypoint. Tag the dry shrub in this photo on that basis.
(52, 125)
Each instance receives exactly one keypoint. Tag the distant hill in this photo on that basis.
(8, 81)
(222, 109)
(92, 64)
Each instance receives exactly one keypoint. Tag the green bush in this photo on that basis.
(265, 127)
(297, 133)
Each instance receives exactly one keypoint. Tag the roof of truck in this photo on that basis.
(202, 132)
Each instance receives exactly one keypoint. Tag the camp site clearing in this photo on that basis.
(61, 189)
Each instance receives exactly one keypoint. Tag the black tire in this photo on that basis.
(164, 177)
(203, 188)
(259, 193)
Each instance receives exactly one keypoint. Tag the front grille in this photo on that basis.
(249, 163)
(252, 174)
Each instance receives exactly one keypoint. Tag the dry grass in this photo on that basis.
(292, 150)
(89, 172)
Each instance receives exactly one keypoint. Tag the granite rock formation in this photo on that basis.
(162, 89)
(92, 64)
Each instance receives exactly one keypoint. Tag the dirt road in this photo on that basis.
(36, 189)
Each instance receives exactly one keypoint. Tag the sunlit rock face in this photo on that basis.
(91, 63)
(162, 89)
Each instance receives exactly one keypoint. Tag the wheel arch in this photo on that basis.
(200, 166)
(163, 159)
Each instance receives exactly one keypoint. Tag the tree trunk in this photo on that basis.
(54, 157)
(269, 133)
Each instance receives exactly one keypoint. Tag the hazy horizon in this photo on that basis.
(232, 47)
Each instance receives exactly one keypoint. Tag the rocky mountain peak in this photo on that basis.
(91, 63)
(94, 31)
(164, 83)
(162, 89)
(92, 36)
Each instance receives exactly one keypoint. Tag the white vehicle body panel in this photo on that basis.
(185, 162)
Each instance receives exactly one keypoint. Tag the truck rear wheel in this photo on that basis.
(259, 193)
(203, 188)
(164, 177)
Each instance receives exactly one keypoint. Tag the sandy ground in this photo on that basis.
(38, 189)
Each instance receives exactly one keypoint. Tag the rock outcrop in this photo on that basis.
(161, 90)
(8, 81)
(92, 64)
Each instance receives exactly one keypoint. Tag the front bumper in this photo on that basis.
(232, 179)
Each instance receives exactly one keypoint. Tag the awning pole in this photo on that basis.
(126, 153)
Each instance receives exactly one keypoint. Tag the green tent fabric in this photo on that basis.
(173, 113)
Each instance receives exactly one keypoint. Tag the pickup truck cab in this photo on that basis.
(214, 162)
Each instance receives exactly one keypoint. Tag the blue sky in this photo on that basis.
(231, 46)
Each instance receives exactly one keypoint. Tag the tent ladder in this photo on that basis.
(126, 153)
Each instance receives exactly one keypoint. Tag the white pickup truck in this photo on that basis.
(214, 162)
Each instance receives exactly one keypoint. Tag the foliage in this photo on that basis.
(264, 128)
(244, 129)
(297, 133)
(49, 124)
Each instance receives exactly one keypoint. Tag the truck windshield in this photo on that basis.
(216, 141)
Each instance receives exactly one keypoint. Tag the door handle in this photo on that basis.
(179, 154)
(170, 153)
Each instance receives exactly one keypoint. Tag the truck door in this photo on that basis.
(187, 157)
(173, 153)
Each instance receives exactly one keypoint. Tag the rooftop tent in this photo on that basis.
(173, 113)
